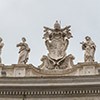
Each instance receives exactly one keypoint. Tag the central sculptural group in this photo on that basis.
(56, 41)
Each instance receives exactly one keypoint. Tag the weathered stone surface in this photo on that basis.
(50, 88)
(57, 41)
(89, 47)
(1, 46)
(76, 98)
(26, 82)
(57, 78)
(23, 52)
(28, 70)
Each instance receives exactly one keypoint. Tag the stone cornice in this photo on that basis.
(39, 80)
(50, 86)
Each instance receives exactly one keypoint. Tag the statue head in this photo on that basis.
(23, 39)
(57, 26)
(87, 38)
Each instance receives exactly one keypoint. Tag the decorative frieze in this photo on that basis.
(79, 86)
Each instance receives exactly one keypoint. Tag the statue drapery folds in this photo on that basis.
(23, 52)
(89, 47)
(1, 46)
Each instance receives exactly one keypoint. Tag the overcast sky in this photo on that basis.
(26, 18)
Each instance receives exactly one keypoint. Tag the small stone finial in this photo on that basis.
(1, 46)
(89, 47)
(57, 25)
(23, 51)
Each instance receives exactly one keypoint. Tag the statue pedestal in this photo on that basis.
(19, 71)
(22, 70)
(88, 68)
(28, 70)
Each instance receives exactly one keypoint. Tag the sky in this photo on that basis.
(26, 18)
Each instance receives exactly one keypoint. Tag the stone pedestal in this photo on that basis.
(28, 70)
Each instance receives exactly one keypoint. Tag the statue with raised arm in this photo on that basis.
(89, 47)
(1, 46)
(57, 41)
(23, 52)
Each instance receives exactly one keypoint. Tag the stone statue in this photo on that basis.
(56, 41)
(23, 52)
(1, 46)
(89, 47)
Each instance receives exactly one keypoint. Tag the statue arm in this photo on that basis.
(20, 44)
(93, 46)
(83, 45)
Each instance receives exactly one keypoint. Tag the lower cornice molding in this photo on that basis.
(80, 86)
(51, 91)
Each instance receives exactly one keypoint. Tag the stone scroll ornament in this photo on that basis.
(57, 41)
(1, 46)
(23, 52)
(89, 47)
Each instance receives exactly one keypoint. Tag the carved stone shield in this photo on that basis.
(56, 48)
(56, 41)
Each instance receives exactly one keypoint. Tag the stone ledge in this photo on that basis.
(39, 87)
(28, 70)
(50, 81)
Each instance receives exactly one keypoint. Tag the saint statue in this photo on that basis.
(89, 47)
(57, 41)
(1, 46)
(23, 52)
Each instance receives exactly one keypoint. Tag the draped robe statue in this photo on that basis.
(89, 47)
(23, 52)
(1, 46)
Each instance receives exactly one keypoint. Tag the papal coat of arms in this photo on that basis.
(56, 41)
